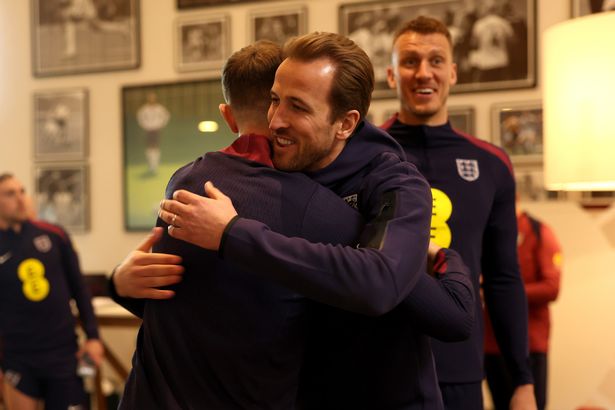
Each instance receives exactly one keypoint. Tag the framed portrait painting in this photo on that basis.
(61, 125)
(487, 58)
(277, 25)
(202, 42)
(165, 126)
(517, 127)
(62, 195)
(80, 36)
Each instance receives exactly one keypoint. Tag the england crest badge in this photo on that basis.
(468, 169)
(42, 243)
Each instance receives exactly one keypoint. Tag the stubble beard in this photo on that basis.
(302, 160)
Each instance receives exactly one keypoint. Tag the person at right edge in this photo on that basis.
(540, 260)
(473, 193)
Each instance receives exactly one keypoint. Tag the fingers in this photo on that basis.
(150, 240)
(158, 294)
(183, 198)
(159, 269)
(159, 281)
(213, 192)
(145, 259)
(176, 232)
(169, 217)
(174, 206)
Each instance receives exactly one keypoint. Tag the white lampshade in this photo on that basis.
(579, 104)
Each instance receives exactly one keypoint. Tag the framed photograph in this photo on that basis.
(187, 4)
(61, 125)
(585, 7)
(81, 36)
(484, 62)
(62, 195)
(517, 127)
(277, 25)
(530, 186)
(202, 42)
(462, 119)
(165, 126)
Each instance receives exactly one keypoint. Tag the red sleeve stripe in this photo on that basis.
(440, 264)
(49, 227)
(389, 122)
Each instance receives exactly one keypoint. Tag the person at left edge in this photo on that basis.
(39, 275)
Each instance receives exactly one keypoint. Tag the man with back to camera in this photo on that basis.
(304, 116)
(474, 210)
(39, 274)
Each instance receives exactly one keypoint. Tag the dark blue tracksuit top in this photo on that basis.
(229, 339)
(39, 275)
(355, 361)
(474, 206)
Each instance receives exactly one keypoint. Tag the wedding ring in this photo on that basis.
(173, 219)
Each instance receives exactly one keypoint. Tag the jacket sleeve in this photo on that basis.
(78, 289)
(371, 279)
(546, 288)
(502, 284)
(443, 306)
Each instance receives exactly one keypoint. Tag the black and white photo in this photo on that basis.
(530, 184)
(277, 25)
(61, 125)
(79, 36)
(202, 42)
(494, 41)
(517, 127)
(62, 195)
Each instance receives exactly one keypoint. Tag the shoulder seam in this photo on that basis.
(46, 226)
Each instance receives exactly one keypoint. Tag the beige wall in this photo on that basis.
(582, 361)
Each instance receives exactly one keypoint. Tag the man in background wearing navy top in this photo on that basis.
(474, 210)
(39, 274)
(353, 361)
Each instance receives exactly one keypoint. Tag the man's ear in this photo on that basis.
(391, 78)
(453, 79)
(229, 118)
(348, 124)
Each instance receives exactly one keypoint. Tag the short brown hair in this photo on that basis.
(353, 81)
(424, 25)
(248, 75)
(5, 176)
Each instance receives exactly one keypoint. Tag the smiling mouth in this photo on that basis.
(425, 91)
(283, 141)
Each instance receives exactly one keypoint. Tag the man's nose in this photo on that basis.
(277, 118)
(423, 70)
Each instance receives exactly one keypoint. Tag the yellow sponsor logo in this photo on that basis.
(441, 212)
(32, 273)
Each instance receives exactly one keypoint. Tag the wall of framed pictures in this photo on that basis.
(143, 43)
